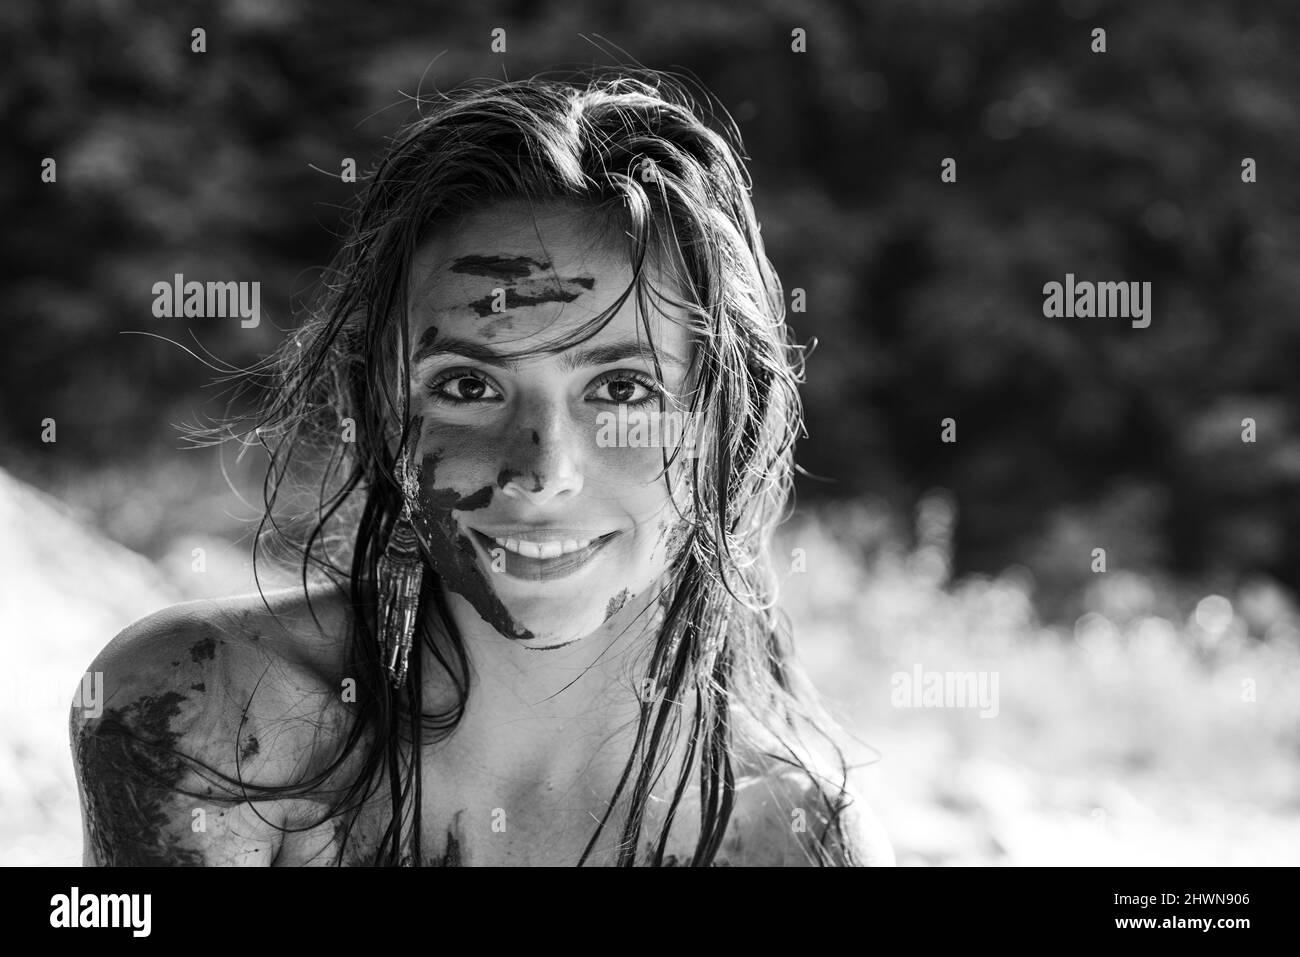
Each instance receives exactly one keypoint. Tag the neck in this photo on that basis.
(552, 731)
(536, 715)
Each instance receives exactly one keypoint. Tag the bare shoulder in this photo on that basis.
(786, 816)
(201, 705)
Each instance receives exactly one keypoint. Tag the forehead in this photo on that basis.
(513, 271)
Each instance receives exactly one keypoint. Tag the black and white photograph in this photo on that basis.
(849, 433)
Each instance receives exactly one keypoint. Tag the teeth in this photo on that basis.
(542, 549)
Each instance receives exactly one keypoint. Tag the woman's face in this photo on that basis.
(517, 464)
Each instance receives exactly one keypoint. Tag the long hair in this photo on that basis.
(634, 151)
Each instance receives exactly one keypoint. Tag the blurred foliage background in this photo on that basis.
(925, 298)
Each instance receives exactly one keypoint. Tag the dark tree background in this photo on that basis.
(925, 297)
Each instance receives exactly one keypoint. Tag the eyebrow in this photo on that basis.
(595, 356)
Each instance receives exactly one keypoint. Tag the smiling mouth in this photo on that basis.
(537, 568)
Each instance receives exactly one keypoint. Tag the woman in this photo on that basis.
(549, 405)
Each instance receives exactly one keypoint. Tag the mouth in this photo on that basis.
(532, 561)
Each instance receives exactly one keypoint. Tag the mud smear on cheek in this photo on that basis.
(616, 604)
(453, 555)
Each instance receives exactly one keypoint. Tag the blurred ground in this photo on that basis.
(1124, 739)
(68, 590)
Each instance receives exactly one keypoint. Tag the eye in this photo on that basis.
(462, 386)
(623, 386)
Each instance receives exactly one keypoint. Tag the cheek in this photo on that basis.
(440, 503)
(635, 472)
(464, 455)
(470, 468)
(634, 483)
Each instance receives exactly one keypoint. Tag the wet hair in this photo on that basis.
(631, 149)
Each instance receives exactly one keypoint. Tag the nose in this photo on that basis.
(544, 459)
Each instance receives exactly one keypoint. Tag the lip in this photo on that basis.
(542, 569)
(538, 533)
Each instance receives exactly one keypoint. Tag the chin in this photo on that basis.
(554, 631)
(550, 643)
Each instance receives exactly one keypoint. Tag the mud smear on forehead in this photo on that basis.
(525, 282)
(426, 339)
(453, 555)
(525, 294)
(498, 267)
